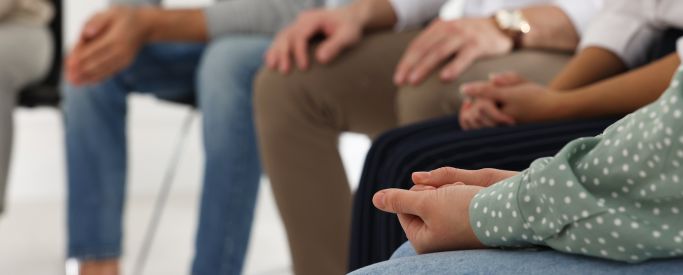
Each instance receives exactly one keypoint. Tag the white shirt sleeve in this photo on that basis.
(413, 13)
(624, 28)
(580, 12)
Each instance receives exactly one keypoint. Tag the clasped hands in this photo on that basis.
(435, 213)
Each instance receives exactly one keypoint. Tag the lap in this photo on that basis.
(495, 261)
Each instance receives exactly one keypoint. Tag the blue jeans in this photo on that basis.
(496, 261)
(220, 74)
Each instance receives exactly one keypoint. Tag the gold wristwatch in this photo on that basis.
(513, 24)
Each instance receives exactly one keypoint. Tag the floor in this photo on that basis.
(32, 231)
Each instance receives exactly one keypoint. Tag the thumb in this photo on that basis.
(506, 79)
(481, 90)
(400, 201)
(446, 175)
(95, 26)
(335, 43)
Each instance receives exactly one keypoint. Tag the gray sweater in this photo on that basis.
(246, 16)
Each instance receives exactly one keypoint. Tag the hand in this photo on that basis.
(461, 41)
(433, 219)
(340, 26)
(448, 175)
(481, 113)
(525, 102)
(109, 42)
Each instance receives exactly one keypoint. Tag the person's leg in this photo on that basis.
(496, 261)
(24, 57)
(96, 145)
(232, 169)
(299, 118)
(434, 98)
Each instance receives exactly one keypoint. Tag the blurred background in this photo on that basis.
(32, 230)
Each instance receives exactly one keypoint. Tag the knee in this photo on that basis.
(431, 99)
(230, 63)
(275, 97)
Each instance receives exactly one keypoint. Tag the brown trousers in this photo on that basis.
(300, 116)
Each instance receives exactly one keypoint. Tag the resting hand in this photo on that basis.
(524, 102)
(340, 26)
(433, 219)
(448, 175)
(462, 41)
(482, 113)
(109, 42)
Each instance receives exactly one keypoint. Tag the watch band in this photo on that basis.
(513, 24)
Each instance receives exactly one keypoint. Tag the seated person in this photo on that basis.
(371, 83)
(615, 198)
(25, 57)
(629, 179)
(591, 93)
(127, 48)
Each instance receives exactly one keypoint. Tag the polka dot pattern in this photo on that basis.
(618, 195)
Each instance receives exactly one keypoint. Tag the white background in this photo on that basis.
(32, 230)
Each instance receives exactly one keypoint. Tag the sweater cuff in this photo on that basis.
(496, 218)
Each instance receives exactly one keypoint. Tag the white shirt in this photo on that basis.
(628, 27)
(414, 13)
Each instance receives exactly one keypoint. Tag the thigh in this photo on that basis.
(165, 70)
(527, 261)
(434, 97)
(354, 92)
(25, 55)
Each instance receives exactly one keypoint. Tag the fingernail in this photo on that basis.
(421, 176)
(414, 78)
(379, 199)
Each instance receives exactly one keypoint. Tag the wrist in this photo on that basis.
(147, 19)
(563, 105)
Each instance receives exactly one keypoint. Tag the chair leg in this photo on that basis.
(162, 197)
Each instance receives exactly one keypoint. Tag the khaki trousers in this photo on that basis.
(300, 116)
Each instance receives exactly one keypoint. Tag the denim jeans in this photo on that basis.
(220, 73)
(495, 261)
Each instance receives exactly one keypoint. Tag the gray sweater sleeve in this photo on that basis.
(245, 16)
(254, 16)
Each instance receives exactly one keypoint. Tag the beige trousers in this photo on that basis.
(301, 115)
(25, 54)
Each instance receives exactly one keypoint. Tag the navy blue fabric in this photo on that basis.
(433, 144)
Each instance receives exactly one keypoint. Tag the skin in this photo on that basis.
(530, 102)
(342, 27)
(111, 39)
(435, 213)
(457, 43)
(109, 42)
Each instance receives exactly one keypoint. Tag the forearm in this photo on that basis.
(174, 25)
(587, 67)
(621, 94)
(374, 14)
(551, 28)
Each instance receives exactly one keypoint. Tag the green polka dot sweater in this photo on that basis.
(617, 196)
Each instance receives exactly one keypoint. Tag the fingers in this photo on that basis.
(447, 175)
(95, 26)
(300, 43)
(462, 61)
(420, 47)
(337, 41)
(431, 60)
(482, 90)
(490, 110)
(400, 201)
(506, 79)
